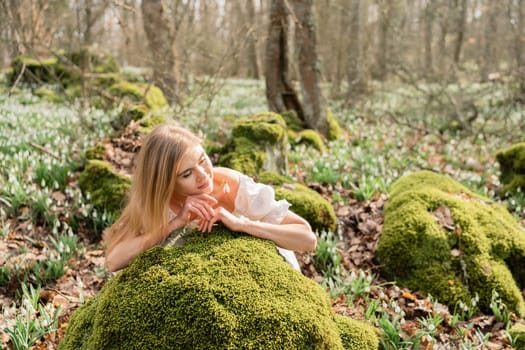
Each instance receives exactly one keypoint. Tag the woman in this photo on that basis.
(174, 183)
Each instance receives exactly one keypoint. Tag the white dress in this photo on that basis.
(254, 201)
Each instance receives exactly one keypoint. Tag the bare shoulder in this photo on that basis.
(226, 174)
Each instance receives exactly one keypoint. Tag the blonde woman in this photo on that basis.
(175, 184)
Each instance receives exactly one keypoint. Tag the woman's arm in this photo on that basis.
(293, 233)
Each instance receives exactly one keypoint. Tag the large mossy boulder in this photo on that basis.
(221, 290)
(305, 202)
(444, 240)
(258, 143)
(512, 165)
(107, 188)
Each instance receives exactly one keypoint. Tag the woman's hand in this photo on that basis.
(229, 220)
(198, 206)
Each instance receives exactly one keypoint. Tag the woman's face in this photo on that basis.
(195, 174)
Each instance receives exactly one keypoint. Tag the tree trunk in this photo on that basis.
(161, 43)
(461, 20)
(427, 20)
(489, 38)
(280, 93)
(251, 57)
(309, 67)
(383, 45)
(356, 81)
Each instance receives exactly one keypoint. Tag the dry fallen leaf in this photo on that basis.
(444, 217)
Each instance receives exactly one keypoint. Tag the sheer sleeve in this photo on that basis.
(257, 202)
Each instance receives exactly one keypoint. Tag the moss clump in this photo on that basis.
(151, 95)
(34, 70)
(334, 130)
(218, 291)
(517, 332)
(95, 152)
(257, 143)
(49, 95)
(512, 166)
(307, 137)
(129, 112)
(442, 239)
(293, 121)
(106, 188)
(150, 123)
(305, 202)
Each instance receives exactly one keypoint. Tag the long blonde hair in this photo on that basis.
(153, 183)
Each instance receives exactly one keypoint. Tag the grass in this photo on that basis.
(375, 151)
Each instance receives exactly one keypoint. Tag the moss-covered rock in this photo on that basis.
(153, 121)
(305, 202)
(129, 112)
(293, 122)
(35, 71)
(512, 166)
(107, 189)
(257, 143)
(517, 332)
(307, 137)
(151, 95)
(95, 152)
(50, 95)
(442, 239)
(218, 291)
(334, 130)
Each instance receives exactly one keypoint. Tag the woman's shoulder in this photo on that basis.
(227, 174)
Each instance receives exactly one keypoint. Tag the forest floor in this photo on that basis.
(360, 223)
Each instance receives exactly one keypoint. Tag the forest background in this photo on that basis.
(414, 84)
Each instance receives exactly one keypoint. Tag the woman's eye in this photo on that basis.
(186, 175)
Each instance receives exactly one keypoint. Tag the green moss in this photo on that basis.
(334, 130)
(151, 95)
(219, 291)
(307, 137)
(483, 248)
(293, 122)
(50, 95)
(95, 152)
(129, 112)
(257, 143)
(512, 166)
(150, 123)
(310, 205)
(105, 80)
(106, 188)
(354, 335)
(517, 332)
(33, 70)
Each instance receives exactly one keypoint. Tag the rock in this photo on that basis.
(221, 290)
(478, 249)
(512, 165)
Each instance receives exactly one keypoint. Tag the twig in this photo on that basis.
(44, 150)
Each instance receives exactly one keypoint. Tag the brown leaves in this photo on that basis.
(444, 217)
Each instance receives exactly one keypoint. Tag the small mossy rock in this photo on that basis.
(151, 95)
(129, 112)
(512, 166)
(334, 130)
(50, 95)
(307, 137)
(517, 332)
(257, 143)
(305, 202)
(95, 152)
(444, 240)
(35, 71)
(218, 291)
(148, 124)
(107, 189)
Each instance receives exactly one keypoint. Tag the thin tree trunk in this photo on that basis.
(309, 67)
(161, 43)
(253, 64)
(428, 37)
(383, 45)
(461, 21)
(356, 81)
(280, 94)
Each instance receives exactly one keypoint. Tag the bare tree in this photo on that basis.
(356, 78)
(251, 52)
(161, 38)
(461, 19)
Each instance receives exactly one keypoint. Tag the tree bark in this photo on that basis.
(309, 66)
(251, 57)
(280, 93)
(161, 43)
(356, 81)
(428, 37)
(460, 33)
(385, 10)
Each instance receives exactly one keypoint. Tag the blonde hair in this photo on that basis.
(153, 183)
